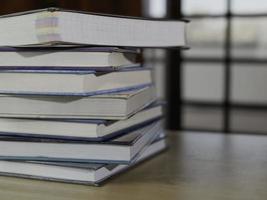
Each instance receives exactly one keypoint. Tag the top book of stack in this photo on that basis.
(57, 27)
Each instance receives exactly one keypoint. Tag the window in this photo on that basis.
(225, 72)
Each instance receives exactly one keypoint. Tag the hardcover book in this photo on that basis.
(54, 26)
(109, 106)
(74, 172)
(70, 82)
(123, 149)
(78, 129)
(86, 58)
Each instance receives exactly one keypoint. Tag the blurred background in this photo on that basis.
(222, 80)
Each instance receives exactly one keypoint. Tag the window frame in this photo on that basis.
(227, 59)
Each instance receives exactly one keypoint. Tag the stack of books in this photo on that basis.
(75, 104)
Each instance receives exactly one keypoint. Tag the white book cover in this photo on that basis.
(122, 149)
(72, 82)
(54, 26)
(78, 129)
(69, 172)
(65, 58)
(115, 106)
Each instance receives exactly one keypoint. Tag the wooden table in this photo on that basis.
(197, 166)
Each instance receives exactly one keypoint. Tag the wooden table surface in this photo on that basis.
(208, 166)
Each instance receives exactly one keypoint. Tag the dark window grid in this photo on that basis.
(228, 60)
(257, 61)
(219, 131)
(201, 16)
(234, 105)
(173, 74)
